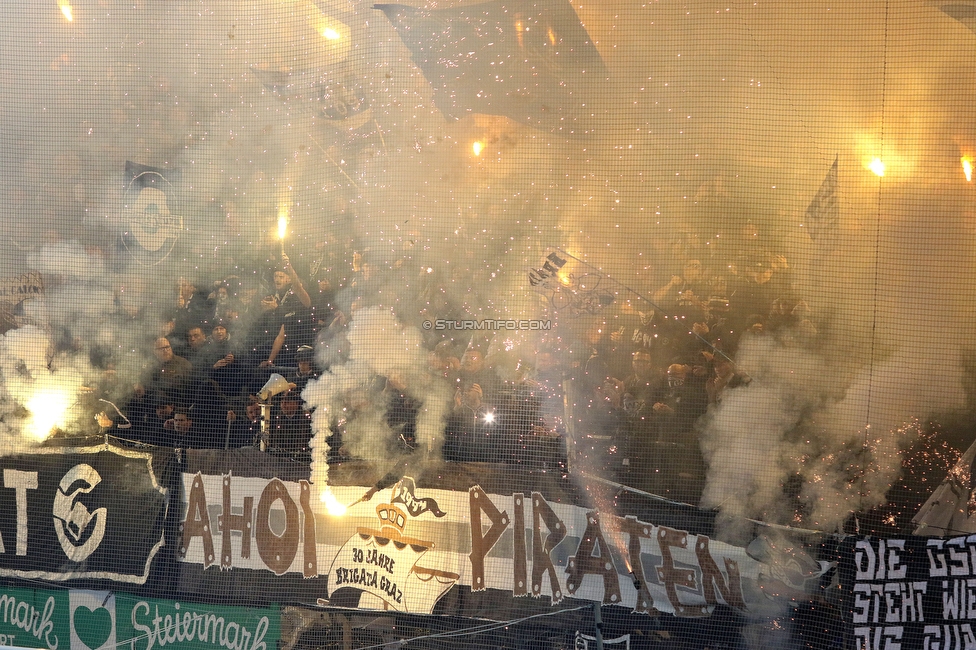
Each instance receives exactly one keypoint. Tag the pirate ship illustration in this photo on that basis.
(385, 563)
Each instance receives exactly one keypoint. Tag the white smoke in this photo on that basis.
(41, 390)
(798, 420)
(49, 380)
(379, 346)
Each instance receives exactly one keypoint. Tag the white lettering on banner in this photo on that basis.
(79, 526)
(948, 637)
(72, 518)
(959, 599)
(883, 564)
(25, 616)
(952, 557)
(188, 626)
(889, 602)
(20, 482)
(892, 599)
(879, 638)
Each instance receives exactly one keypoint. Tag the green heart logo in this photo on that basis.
(93, 627)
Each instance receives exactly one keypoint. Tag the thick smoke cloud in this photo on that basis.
(347, 398)
(718, 115)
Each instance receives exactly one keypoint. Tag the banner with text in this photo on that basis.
(104, 620)
(406, 547)
(912, 592)
(95, 513)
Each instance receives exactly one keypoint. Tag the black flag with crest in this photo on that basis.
(152, 217)
(530, 61)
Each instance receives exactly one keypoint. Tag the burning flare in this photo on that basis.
(967, 168)
(477, 147)
(332, 505)
(877, 166)
(336, 34)
(282, 227)
(66, 10)
(47, 407)
(282, 223)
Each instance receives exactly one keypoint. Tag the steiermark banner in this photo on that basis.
(32, 618)
(104, 620)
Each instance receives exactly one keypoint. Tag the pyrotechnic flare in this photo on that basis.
(637, 581)
(363, 499)
(332, 504)
(48, 407)
(282, 227)
(877, 166)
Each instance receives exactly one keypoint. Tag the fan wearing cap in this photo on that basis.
(305, 358)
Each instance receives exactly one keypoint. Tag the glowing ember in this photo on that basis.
(47, 407)
(877, 167)
(477, 147)
(967, 168)
(66, 10)
(332, 505)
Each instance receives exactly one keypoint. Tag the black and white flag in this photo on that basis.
(151, 213)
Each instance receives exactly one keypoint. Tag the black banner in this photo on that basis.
(913, 592)
(95, 513)
(457, 540)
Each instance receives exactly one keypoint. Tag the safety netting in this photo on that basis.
(518, 324)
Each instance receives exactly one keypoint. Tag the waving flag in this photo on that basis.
(961, 10)
(823, 213)
(403, 492)
(335, 96)
(530, 61)
(572, 287)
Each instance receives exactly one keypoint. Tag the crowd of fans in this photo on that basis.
(628, 389)
(212, 351)
(646, 376)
